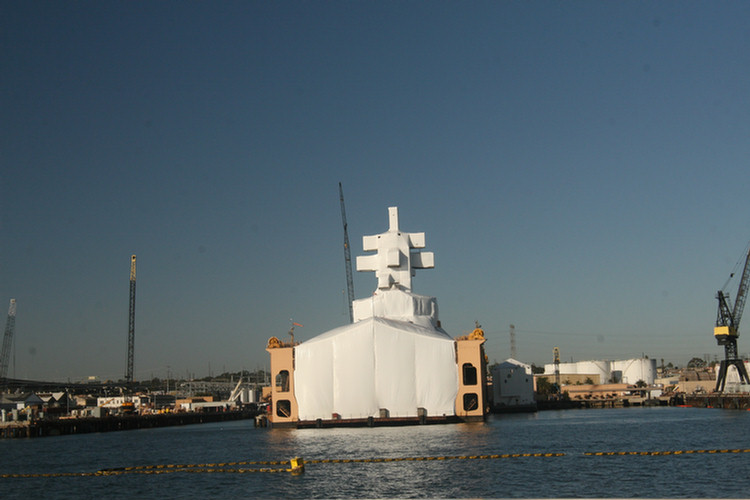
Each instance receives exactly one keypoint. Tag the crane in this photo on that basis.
(347, 257)
(727, 327)
(131, 323)
(556, 360)
(10, 326)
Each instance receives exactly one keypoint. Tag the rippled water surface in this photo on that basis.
(572, 432)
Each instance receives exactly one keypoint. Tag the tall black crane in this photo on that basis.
(131, 323)
(556, 360)
(10, 325)
(727, 329)
(347, 257)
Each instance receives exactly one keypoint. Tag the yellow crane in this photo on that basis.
(727, 328)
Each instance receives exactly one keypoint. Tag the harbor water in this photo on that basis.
(574, 433)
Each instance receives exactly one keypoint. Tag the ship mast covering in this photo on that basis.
(394, 358)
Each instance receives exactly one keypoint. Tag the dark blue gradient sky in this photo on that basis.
(580, 170)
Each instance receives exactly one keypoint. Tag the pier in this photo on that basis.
(723, 401)
(61, 426)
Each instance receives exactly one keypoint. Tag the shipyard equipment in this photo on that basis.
(10, 326)
(131, 323)
(347, 257)
(556, 360)
(291, 330)
(727, 328)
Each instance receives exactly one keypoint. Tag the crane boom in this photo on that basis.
(10, 325)
(739, 301)
(728, 317)
(347, 257)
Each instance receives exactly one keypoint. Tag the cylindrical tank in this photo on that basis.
(565, 369)
(600, 368)
(634, 370)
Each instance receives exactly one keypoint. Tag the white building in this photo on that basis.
(512, 386)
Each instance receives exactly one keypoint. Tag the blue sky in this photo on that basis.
(580, 170)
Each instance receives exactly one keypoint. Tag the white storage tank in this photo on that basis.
(565, 369)
(634, 370)
(601, 368)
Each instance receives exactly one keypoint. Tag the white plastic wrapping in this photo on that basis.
(378, 363)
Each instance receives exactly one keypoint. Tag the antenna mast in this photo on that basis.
(131, 323)
(347, 256)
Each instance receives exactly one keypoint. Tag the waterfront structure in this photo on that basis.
(727, 331)
(628, 371)
(734, 381)
(512, 387)
(393, 362)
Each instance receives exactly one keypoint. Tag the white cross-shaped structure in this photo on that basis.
(394, 263)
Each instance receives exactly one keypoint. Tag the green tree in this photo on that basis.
(536, 369)
(544, 387)
(696, 364)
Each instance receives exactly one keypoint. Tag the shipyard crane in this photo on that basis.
(131, 323)
(727, 328)
(556, 360)
(10, 326)
(347, 257)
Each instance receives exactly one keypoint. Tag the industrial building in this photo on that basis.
(512, 387)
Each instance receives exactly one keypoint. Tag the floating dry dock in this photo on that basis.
(377, 422)
(393, 365)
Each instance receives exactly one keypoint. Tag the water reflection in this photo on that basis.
(571, 432)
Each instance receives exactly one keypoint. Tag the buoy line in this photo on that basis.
(424, 459)
(297, 465)
(675, 452)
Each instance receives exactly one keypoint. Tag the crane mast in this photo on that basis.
(727, 328)
(131, 323)
(347, 257)
(556, 360)
(10, 326)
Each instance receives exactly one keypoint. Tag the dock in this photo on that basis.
(62, 426)
(723, 401)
